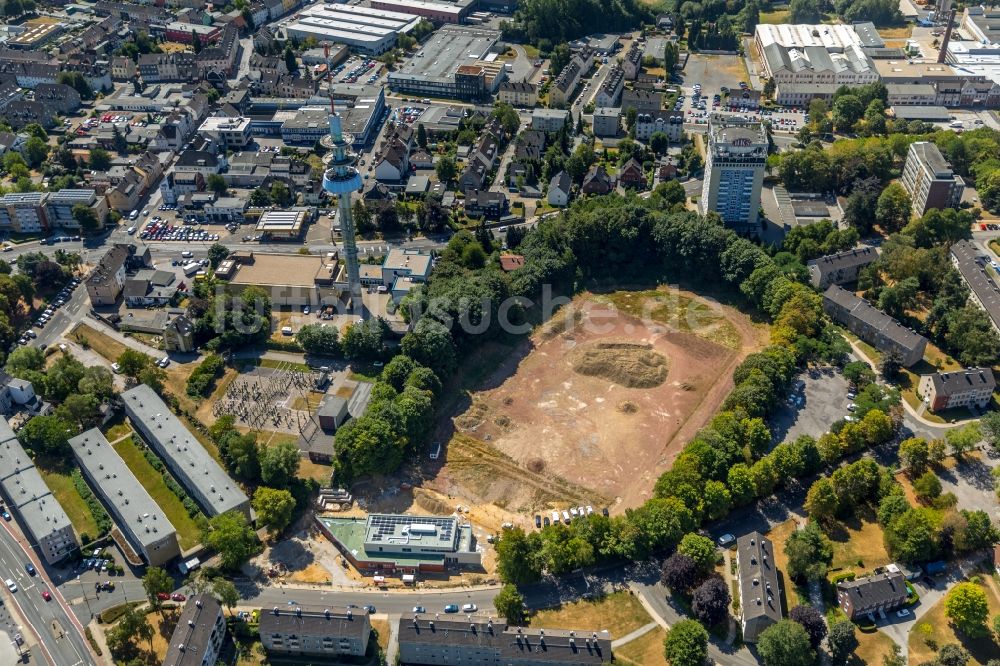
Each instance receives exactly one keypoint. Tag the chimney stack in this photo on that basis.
(943, 53)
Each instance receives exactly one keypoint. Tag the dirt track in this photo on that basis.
(594, 433)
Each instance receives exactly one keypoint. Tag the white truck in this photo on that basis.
(191, 268)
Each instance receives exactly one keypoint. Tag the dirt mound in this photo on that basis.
(628, 407)
(629, 364)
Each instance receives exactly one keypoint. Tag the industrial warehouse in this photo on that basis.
(366, 29)
(455, 63)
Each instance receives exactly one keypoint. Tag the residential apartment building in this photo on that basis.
(610, 91)
(549, 120)
(60, 205)
(106, 282)
(313, 632)
(607, 121)
(632, 62)
(734, 171)
(163, 67)
(183, 454)
(565, 85)
(840, 268)
(971, 265)
(519, 94)
(30, 499)
(873, 326)
(971, 387)
(199, 634)
(928, 178)
(671, 123)
(872, 595)
(643, 101)
(459, 641)
(760, 599)
(23, 212)
(139, 518)
(229, 133)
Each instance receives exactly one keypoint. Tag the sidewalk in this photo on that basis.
(906, 406)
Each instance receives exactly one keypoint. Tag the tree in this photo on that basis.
(216, 183)
(421, 135)
(35, 151)
(842, 641)
(710, 601)
(517, 557)
(274, 508)
(700, 549)
(195, 42)
(48, 436)
(85, 217)
(822, 502)
(680, 573)
(132, 362)
(967, 608)
(156, 581)
(847, 110)
(893, 208)
(809, 553)
(510, 604)
(446, 169)
(964, 439)
(891, 364)
(804, 11)
(927, 487)
(279, 464)
(914, 454)
(216, 253)
(990, 426)
(859, 374)
(226, 593)
(319, 339)
(100, 159)
(132, 625)
(362, 217)
(785, 643)
(952, 654)
(230, 536)
(23, 359)
(365, 340)
(659, 142)
(686, 644)
(812, 621)
(912, 537)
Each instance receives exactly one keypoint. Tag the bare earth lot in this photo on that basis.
(590, 404)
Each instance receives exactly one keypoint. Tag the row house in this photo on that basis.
(63, 99)
(221, 57)
(123, 69)
(162, 67)
(33, 74)
(632, 62)
(611, 89)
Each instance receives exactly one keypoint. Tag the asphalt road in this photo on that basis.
(60, 637)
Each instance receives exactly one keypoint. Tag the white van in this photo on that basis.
(286, 330)
(133, 215)
(131, 230)
(187, 254)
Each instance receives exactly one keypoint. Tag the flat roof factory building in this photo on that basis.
(439, 12)
(366, 29)
(453, 64)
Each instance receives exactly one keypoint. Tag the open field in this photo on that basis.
(619, 612)
(601, 397)
(315, 471)
(872, 648)
(647, 650)
(61, 485)
(858, 545)
(778, 535)
(777, 16)
(188, 533)
(103, 344)
(934, 628)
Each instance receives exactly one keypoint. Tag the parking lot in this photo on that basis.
(357, 70)
(58, 301)
(818, 400)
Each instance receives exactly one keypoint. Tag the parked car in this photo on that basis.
(726, 540)
(163, 596)
(419, 609)
(470, 608)
(450, 608)
(177, 596)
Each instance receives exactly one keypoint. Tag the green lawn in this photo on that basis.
(188, 533)
(61, 485)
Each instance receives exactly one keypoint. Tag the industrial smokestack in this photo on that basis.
(943, 53)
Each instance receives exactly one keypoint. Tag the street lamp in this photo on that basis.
(85, 598)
